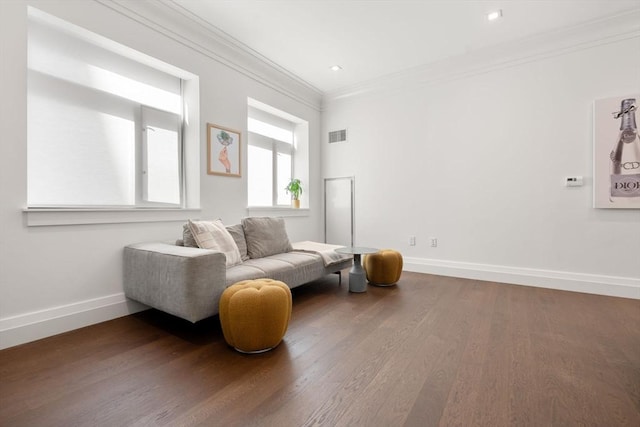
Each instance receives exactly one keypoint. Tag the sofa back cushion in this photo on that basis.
(214, 235)
(265, 236)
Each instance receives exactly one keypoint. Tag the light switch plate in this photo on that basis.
(573, 181)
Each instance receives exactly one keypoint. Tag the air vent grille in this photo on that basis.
(337, 136)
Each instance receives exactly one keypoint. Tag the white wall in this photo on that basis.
(477, 157)
(56, 278)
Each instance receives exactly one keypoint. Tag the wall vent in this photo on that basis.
(337, 136)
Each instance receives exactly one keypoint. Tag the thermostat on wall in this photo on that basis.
(573, 181)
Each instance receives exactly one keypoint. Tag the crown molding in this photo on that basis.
(173, 21)
(560, 42)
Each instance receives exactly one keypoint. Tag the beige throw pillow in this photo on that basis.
(213, 235)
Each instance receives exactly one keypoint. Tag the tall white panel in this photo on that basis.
(338, 211)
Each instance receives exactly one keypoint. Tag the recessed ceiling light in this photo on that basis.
(496, 14)
(335, 68)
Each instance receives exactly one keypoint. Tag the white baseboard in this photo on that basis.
(32, 326)
(625, 287)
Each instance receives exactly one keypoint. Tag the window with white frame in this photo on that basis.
(105, 123)
(277, 152)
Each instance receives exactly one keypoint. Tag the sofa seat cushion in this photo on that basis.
(293, 268)
(243, 271)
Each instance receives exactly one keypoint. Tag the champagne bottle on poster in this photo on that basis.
(625, 156)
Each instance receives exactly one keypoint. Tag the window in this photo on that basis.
(161, 153)
(277, 152)
(106, 124)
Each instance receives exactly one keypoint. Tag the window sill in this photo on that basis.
(277, 211)
(44, 217)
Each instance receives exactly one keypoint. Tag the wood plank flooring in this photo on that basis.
(431, 351)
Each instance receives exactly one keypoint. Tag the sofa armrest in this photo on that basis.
(186, 282)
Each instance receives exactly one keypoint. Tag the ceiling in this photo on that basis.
(373, 38)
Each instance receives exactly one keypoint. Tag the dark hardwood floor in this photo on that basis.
(431, 351)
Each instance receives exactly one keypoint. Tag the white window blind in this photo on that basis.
(103, 128)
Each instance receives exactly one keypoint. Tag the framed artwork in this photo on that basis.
(223, 151)
(616, 153)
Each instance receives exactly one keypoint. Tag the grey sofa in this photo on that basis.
(188, 281)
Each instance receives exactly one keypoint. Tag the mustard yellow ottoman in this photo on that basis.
(384, 267)
(255, 314)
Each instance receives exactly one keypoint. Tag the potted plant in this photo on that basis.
(295, 188)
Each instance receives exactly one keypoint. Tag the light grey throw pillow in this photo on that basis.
(237, 233)
(265, 236)
(187, 237)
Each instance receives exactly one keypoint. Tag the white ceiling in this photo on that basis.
(370, 38)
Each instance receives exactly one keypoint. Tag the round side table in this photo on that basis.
(357, 282)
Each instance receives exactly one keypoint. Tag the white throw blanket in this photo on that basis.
(327, 252)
